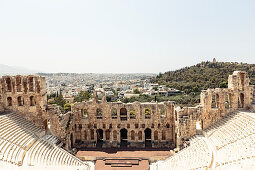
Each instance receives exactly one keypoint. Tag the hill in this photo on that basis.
(204, 75)
(13, 70)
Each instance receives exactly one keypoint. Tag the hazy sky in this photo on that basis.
(124, 35)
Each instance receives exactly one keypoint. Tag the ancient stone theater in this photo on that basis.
(35, 134)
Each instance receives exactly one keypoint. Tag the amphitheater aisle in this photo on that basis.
(25, 146)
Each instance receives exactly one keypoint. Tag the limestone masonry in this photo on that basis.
(115, 124)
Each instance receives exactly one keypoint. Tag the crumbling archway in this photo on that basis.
(123, 137)
(147, 135)
(100, 137)
(123, 114)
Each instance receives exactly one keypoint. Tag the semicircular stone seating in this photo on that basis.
(231, 141)
(24, 144)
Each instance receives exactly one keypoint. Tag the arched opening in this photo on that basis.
(123, 137)
(114, 113)
(32, 101)
(227, 104)
(147, 113)
(18, 84)
(213, 104)
(8, 82)
(163, 112)
(241, 101)
(99, 113)
(132, 113)
(31, 84)
(38, 88)
(217, 100)
(132, 135)
(115, 135)
(140, 135)
(20, 102)
(100, 137)
(107, 134)
(123, 114)
(71, 140)
(147, 133)
(9, 101)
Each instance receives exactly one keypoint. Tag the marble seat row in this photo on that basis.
(20, 145)
(195, 156)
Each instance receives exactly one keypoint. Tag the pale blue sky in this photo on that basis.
(123, 36)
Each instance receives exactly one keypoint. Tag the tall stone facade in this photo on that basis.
(26, 95)
(112, 124)
(115, 124)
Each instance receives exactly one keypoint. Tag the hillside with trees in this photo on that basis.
(204, 75)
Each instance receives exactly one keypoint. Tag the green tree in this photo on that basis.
(82, 96)
(67, 107)
(59, 100)
(223, 84)
(136, 91)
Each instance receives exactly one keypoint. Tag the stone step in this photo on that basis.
(121, 165)
(127, 161)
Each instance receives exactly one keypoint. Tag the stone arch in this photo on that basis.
(132, 135)
(163, 112)
(123, 137)
(8, 83)
(18, 84)
(9, 101)
(32, 100)
(147, 113)
(100, 137)
(147, 134)
(230, 99)
(99, 113)
(241, 101)
(115, 135)
(123, 114)
(31, 84)
(114, 113)
(107, 134)
(217, 100)
(227, 104)
(84, 113)
(38, 87)
(140, 135)
(213, 104)
(20, 102)
(132, 113)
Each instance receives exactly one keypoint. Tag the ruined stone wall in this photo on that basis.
(186, 120)
(25, 95)
(113, 117)
(217, 103)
